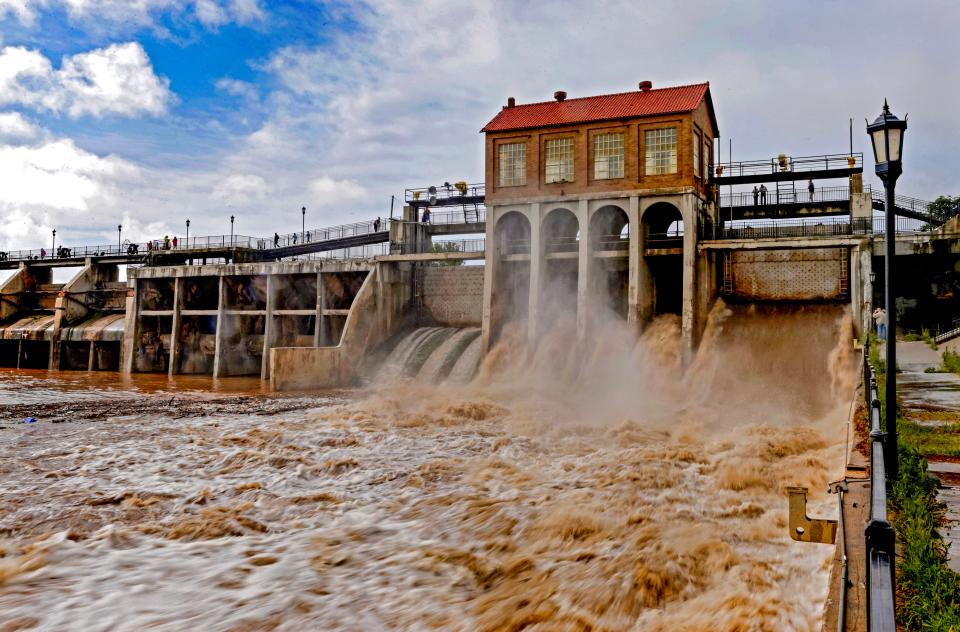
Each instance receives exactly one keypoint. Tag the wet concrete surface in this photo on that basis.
(921, 393)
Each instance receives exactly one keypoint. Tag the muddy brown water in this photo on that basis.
(619, 495)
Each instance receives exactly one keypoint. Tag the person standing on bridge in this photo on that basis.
(810, 188)
(763, 194)
(43, 253)
(276, 240)
(174, 242)
(426, 215)
(756, 194)
(376, 225)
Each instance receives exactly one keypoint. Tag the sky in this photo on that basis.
(146, 113)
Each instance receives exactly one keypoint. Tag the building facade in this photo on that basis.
(593, 207)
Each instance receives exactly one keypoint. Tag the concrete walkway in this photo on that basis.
(920, 391)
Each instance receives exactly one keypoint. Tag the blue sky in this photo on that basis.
(149, 112)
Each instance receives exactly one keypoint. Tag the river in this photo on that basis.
(556, 491)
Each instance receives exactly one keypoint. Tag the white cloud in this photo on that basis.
(329, 191)
(16, 128)
(99, 14)
(241, 189)
(21, 9)
(118, 79)
(210, 13)
(247, 11)
(237, 88)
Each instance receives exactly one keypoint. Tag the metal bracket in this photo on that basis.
(804, 529)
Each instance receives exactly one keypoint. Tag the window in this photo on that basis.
(697, 139)
(558, 157)
(661, 150)
(707, 160)
(513, 164)
(607, 156)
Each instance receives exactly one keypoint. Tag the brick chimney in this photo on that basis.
(511, 102)
(646, 86)
(560, 95)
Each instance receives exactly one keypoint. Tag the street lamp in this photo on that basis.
(53, 246)
(886, 134)
(231, 230)
(119, 229)
(188, 234)
(303, 223)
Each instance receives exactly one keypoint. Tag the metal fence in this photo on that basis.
(467, 215)
(774, 198)
(809, 227)
(880, 537)
(445, 194)
(784, 163)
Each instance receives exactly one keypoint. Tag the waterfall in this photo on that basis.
(434, 355)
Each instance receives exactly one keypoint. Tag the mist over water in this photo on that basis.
(560, 489)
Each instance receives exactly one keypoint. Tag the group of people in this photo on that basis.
(162, 245)
(760, 194)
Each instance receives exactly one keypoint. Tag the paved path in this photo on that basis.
(926, 391)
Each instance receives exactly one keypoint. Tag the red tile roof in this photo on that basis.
(601, 108)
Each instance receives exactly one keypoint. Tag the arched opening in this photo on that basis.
(511, 292)
(609, 262)
(663, 251)
(560, 235)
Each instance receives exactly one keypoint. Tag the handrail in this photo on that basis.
(785, 163)
(774, 198)
(879, 534)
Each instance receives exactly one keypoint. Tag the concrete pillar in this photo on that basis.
(173, 366)
(635, 261)
(535, 291)
(491, 263)
(219, 366)
(268, 327)
(131, 327)
(91, 362)
(645, 285)
(319, 338)
(583, 272)
(688, 316)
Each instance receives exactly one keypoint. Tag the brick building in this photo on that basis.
(593, 206)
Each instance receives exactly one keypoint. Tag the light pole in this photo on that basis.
(886, 134)
(53, 246)
(119, 229)
(303, 223)
(188, 234)
(231, 230)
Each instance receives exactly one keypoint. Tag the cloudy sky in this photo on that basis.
(149, 112)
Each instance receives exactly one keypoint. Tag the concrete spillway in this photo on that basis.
(434, 355)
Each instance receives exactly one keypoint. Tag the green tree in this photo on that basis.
(447, 246)
(944, 207)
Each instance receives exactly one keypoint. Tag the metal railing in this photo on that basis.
(784, 164)
(774, 198)
(467, 215)
(809, 227)
(318, 235)
(372, 251)
(879, 534)
(446, 193)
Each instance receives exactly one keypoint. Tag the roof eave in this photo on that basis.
(599, 120)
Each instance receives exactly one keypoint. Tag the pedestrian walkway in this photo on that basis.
(933, 399)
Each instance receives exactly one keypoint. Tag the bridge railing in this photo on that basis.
(879, 534)
(467, 215)
(773, 198)
(371, 251)
(790, 164)
(809, 227)
(317, 235)
(445, 194)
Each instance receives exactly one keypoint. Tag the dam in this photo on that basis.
(584, 386)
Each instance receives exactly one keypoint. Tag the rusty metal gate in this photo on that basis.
(806, 274)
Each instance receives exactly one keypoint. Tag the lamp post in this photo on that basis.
(119, 229)
(231, 230)
(53, 246)
(188, 234)
(303, 223)
(886, 134)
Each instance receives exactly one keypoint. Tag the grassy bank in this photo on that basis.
(928, 592)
